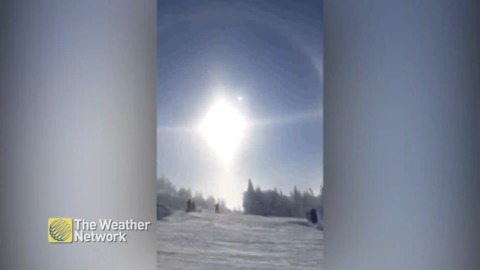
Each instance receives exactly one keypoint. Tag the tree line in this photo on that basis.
(275, 203)
(255, 200)
(168, 196)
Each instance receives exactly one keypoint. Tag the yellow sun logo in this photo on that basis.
(60, 230)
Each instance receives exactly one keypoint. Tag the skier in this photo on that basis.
(217, 208)
(189, 206)
(313, 216)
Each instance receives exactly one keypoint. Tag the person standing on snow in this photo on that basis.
(189, 206)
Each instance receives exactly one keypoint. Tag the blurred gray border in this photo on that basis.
(78, 129)
(401, 135)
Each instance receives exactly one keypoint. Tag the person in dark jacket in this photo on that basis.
(313, 216)
(189, 206)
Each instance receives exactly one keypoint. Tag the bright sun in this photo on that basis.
(224, 128)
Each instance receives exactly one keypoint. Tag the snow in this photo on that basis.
(235, 241)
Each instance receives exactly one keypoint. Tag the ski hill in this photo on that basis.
(235, 241)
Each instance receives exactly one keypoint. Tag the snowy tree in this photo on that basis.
(169, 198)
(273, 203)
(249, 198)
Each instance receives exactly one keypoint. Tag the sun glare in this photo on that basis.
(224, 128)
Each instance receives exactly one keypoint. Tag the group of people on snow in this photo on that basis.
(191, 207)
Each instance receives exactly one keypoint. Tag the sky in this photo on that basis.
(265, 59)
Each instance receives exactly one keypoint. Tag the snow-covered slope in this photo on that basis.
(235, 241)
